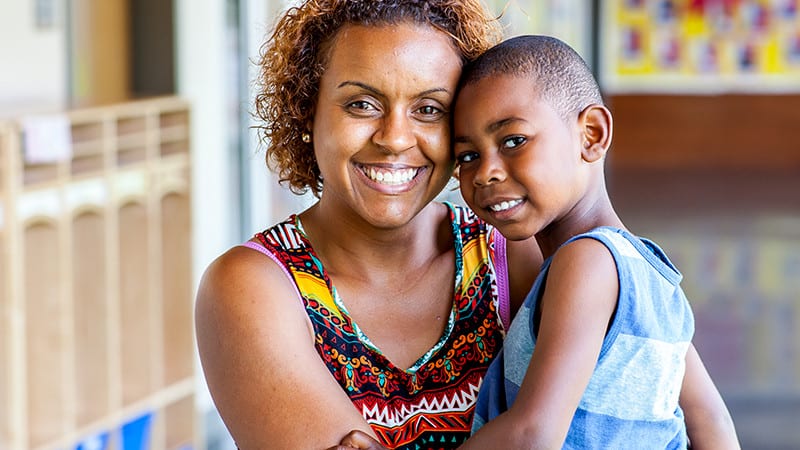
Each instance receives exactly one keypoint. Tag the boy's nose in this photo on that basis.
(491, 170)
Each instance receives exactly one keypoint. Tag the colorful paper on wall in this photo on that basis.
(730, 44)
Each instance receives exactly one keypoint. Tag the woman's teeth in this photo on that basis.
(390, 177)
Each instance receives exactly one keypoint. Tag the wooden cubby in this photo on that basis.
(96, 335)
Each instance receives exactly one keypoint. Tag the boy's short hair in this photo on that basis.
(564, 79)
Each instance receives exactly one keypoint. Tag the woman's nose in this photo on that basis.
(396, 133)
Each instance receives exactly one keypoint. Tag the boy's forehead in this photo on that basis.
(497, 100)
(491, 88)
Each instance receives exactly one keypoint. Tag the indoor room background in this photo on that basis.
(128, 162)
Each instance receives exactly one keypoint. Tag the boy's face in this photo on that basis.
(520, 165)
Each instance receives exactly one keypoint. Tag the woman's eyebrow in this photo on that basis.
(378, 92)
(358, 84)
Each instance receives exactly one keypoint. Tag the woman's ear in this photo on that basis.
(596, 128)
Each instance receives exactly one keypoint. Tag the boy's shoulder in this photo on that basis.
(625, 246)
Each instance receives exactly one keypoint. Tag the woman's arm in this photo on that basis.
(257, 351)
(708, 422)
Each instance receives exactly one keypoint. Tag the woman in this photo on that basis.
(398, 307)
(374, 297)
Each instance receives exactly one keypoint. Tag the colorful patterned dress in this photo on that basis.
(429, 405)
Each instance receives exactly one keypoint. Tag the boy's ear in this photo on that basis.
(596, 129)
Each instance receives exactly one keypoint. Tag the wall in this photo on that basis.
(37, 56)
(100, 52)
(714, 132)
(714, 180)
(152, 48)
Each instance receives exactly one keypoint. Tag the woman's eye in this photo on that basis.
(430, 112)
(361, 105)
(466, 157)
(513, 142)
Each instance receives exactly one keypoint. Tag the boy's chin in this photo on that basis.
(514, 232)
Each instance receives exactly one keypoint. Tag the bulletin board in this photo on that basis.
(691, 46)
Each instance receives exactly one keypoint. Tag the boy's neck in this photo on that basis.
(598, 213)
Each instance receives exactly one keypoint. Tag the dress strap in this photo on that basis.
(260, 248)
(501, 272)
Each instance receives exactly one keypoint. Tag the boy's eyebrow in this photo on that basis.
(491, 128)
(494, 126)
(377, 92)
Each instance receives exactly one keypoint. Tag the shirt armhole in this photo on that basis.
(501, 274)
(260, 248)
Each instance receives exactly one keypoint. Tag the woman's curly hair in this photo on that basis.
(294, 57)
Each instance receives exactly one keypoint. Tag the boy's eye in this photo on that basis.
(466, 157)
(513, 141)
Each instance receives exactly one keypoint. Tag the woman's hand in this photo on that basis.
(357, 439)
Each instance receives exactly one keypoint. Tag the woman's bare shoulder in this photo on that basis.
(257, 350)
(245, 287)
(242, 268)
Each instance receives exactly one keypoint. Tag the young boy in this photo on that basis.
(600, 352)
(596, 356)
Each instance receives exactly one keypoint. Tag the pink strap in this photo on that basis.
(501, 274)
(259, 247)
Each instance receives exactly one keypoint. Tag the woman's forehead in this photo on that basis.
(394, 51)
(389, 38)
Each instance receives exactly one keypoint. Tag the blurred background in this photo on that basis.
(128, 162)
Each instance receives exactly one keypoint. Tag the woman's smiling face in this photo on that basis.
(381, 123)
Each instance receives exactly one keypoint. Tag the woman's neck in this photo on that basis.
(347, 243)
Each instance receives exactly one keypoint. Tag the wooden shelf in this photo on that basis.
(96, 335)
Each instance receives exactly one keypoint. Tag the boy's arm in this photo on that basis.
(708, 422)
(578, 302)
